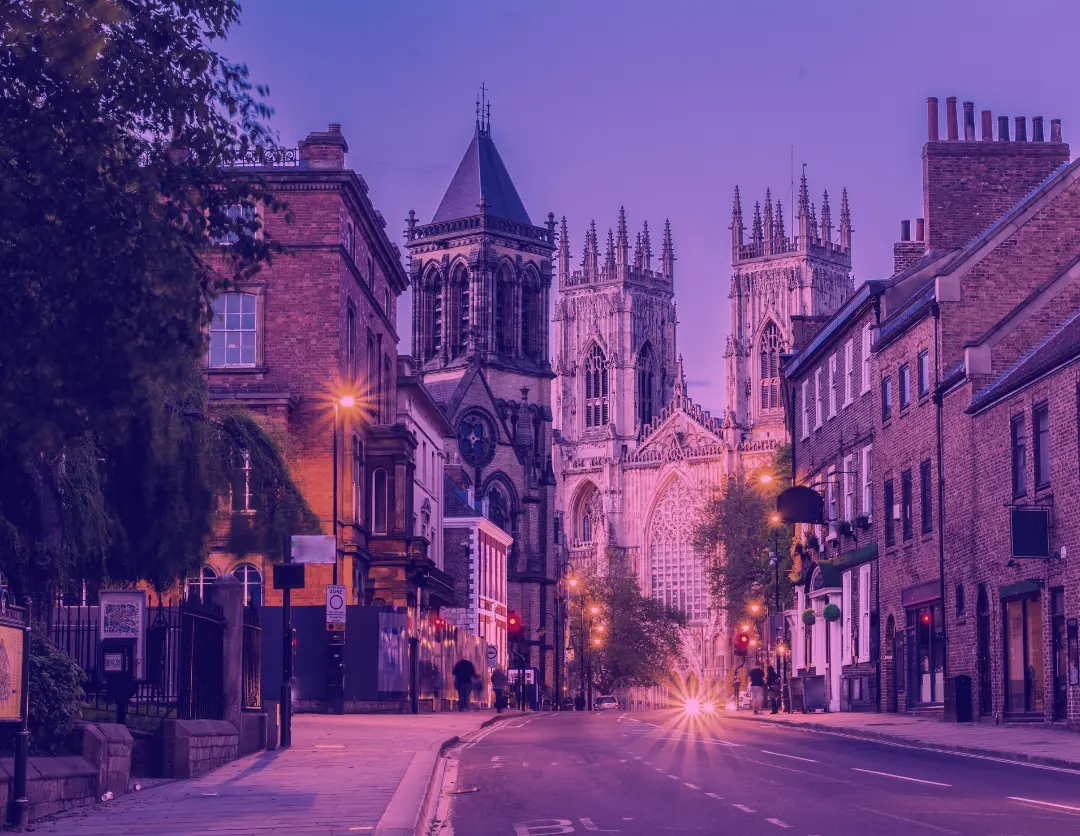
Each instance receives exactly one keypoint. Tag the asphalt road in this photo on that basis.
(663, 773)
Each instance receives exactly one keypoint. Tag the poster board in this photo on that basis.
(122, 614)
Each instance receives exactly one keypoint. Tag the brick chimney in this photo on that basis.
(324, 149)
(905, 251)
(967, 185)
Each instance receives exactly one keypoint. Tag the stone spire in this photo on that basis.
(589, 264)
(564, 252)
(637, 252)
(622, 243)
(768, 221)
(845, 222)
(813, 220)
(609, 256)
(646, 247)
(780, 233)
(804, 211)
(826, 219)
(736, 224)
(668, 256)
(679, 396)
(757, 235)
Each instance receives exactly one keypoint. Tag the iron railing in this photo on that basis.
(251, 667)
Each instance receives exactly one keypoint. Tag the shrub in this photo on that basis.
(56, 696)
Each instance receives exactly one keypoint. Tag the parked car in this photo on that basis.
(568, 704)
(605, 704)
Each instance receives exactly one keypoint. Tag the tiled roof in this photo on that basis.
(442, 391)
(454, 503)
(1059, 346)
(481, 175)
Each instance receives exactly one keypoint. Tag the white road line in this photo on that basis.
(778, 823)
(714, 795)
(637, 757)
(782, 755)
(692, 786)
(742, 807)
(673, 777)
(901, 777)
(1044, 803)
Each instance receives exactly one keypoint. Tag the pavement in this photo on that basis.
(343, 775)
(667, 773)
(1033, 743)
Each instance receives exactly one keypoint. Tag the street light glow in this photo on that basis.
(743, 627)
(572, 582)
(766, 478)
(754, 608)
(594, 610)
(775, 519)
(347, 401)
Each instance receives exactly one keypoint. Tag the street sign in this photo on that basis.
(313, 548)
(288, 576)
(492, 655)
(335, 607)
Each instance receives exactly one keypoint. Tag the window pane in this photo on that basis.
(233, 303)
(233, 355)
(247, 321)
(248, 306)
(218, 305)
(232, 321)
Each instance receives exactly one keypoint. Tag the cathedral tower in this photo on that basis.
(776, 276)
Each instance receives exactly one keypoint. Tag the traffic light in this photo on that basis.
(514, 630)
(741, 643)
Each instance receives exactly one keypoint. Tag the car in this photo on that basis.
(605, 704)
(568, 704)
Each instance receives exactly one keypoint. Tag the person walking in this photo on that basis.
(772, 684)
(464, 674)
(499, 680)
(757, 689)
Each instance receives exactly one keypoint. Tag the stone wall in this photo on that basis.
(192, 747)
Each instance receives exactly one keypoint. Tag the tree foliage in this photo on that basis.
(640, 637)
(736, 529)
(116, 118)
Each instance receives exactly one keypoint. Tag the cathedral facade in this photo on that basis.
(634, 456)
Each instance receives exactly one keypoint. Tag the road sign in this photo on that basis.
(335, 607)
(313, 548)
(492, 655)
(288, 576)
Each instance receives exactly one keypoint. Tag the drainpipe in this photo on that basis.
(877, 561)
(935, 311)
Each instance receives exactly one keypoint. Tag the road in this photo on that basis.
(664, 773)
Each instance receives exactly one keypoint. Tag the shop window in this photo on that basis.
(1023, 645)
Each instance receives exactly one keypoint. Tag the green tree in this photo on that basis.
(638, 635)
(737, 530)
(115, 120)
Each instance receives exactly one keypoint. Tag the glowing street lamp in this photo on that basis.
(766, 478)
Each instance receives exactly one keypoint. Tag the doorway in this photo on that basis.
(1023, 633)
(1059, 652)
(986, 694)
(926, 655)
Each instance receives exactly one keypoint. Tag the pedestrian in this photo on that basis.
(772, 683)
(464, 674)
(499, 680)
(757, 689)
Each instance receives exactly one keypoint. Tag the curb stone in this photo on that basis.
(1019, 757)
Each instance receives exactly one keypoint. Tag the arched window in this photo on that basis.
(504, 310)
(498, 511)
(378, 502)
(646, 380)
(198, 589)
(435, 315)
(678, 574)
(770, 367)
(596, 389)
(592, 516)
(251, 580)
(463, 308)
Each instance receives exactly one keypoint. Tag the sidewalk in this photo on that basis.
(1033, 744)
(343, 775)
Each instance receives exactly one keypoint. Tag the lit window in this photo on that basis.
(233, 331)
(251, 580)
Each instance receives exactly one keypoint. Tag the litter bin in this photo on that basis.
(958, 703)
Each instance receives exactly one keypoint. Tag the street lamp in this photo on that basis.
(335, 675)
(344, 402)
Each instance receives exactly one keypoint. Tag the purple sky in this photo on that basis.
(659, 106)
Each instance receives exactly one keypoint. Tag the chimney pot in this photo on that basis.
(969, 121)
(950, 118)
(920, 229)
(987, 126)
(335, 127)
(1003, 129)
(1021, 129)
(1055, 130)
(905, 230)
(1036, 129)
(931, 118)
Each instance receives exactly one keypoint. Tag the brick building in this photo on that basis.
(833, 424)
(316, 325)
(481, 277)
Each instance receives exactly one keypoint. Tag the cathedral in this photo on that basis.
(633, 454)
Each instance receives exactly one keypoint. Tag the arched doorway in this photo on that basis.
(986, 698)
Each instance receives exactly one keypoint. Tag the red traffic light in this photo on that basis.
(741, 644)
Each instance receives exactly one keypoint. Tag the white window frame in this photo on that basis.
(845, 605)
(832, 384)
(246, 324)
(868, 335)
(849, 372)
(866, 468)
(833, 506)
(849, 488)
(864, 612)
(805, 409)
(817, 399)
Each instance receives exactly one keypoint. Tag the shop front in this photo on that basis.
(921, 649)
(1022, 647)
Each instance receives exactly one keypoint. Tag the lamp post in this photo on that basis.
(335, 674)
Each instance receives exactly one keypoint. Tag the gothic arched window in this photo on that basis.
(770, 367)
(646, 378)
(461, 308)
(592, 516)
(678, 574)
(497, 508)
(596, 389)
(530, 312)
(435, 313)
(504, 310)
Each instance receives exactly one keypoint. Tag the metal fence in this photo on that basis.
(251, 667)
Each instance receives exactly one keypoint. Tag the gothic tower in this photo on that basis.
(481, 278)
(776, 276)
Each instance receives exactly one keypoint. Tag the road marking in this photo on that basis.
(917, 822)
(714, 795)
(778, 823)
(1044, 803)
(673, 777)
(589, 825)
(782, 755)
(637, 757)
(692, 786)
(901, 777)
(365, 827)
(742, 807)
(544, 827)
